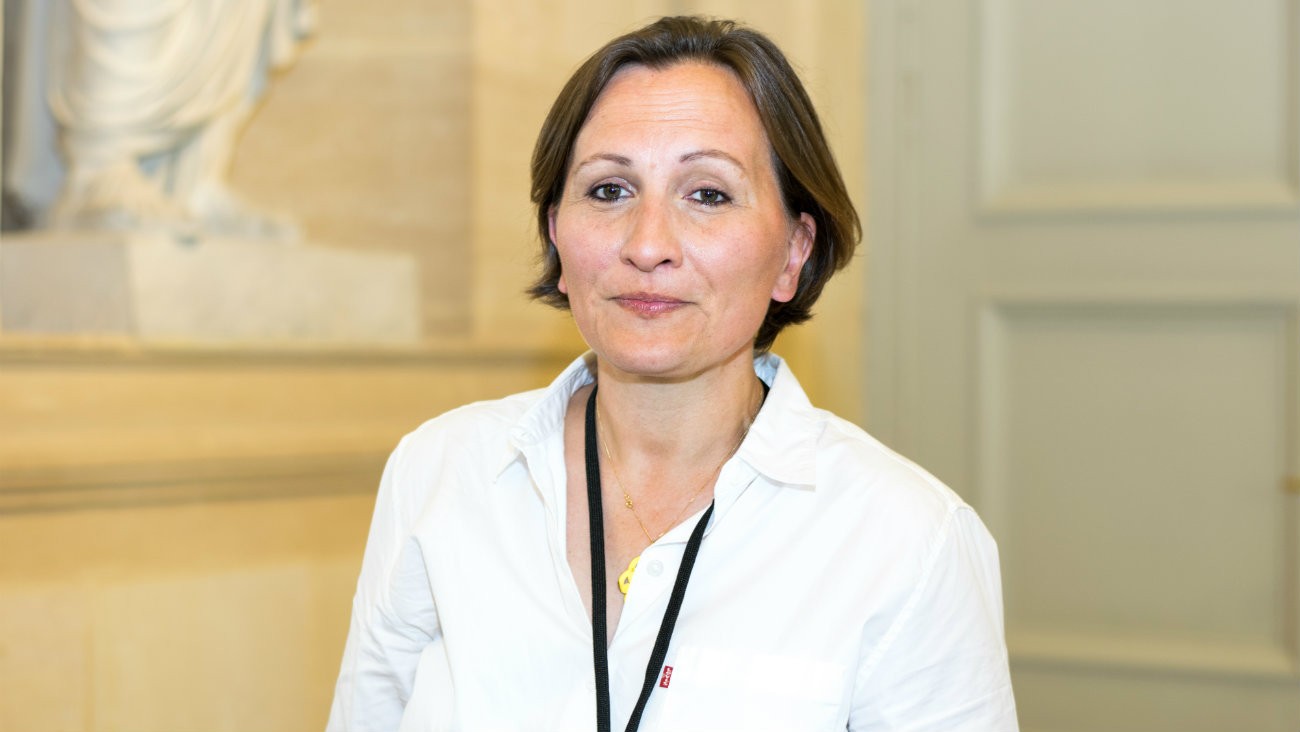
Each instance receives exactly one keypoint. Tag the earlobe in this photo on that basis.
(799, 247)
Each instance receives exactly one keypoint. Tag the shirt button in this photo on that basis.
(655, 568)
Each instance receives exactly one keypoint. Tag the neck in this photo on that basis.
(679, 426)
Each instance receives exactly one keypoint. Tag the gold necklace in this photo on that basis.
(625, 578)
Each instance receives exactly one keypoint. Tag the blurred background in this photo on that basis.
(1076, 304)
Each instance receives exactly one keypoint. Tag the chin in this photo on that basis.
(641, 356)
(663, 361)
(650, 365)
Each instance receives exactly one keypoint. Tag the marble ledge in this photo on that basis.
(208, 291)
(75, 487)
(22, 348)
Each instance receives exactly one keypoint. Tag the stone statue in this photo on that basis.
(147, 97)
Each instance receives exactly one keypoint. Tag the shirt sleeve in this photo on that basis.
(942, 665)
(393, 615)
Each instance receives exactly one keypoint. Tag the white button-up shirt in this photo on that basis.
(838, 586)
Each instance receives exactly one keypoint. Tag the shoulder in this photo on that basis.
(487, 426)
(856, 461)
(849, 470)
(897, 501)
(478, 427)
(467, 446)
(490, 415)
(929, 532)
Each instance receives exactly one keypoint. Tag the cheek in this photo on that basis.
(566, 245)
(575, 264)
(768, 271)
(746, 273)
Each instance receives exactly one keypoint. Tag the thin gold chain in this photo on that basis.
(627, 499)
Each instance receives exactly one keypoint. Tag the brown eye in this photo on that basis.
(608, 192)
(710, 197)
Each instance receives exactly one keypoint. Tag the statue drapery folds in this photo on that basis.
(148, 97)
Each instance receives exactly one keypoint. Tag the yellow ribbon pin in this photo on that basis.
(625, 579)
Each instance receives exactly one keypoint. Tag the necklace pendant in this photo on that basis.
(625, 579)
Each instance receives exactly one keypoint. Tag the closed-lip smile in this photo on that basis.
(648, 304)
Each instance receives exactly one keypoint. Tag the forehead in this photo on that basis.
(690, 102)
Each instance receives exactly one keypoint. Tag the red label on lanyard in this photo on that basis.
(666, 677)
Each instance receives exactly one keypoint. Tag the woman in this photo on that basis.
(670, 536)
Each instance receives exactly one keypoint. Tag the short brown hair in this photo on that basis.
(809, 179)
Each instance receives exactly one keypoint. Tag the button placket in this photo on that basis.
(651, 581)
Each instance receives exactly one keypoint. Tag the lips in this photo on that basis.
(649, 304)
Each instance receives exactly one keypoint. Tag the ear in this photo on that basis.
(550, 230)
(798, 248)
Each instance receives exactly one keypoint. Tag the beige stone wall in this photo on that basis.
(180, 533)
(366, 140)
(180, 528)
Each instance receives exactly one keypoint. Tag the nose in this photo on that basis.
(652, 240)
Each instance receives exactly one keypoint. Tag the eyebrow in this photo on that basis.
(611, 157)
(712, 153)
(625, 161)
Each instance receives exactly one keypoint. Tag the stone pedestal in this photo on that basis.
(208, 290)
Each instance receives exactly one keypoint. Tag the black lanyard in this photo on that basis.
(599, 634)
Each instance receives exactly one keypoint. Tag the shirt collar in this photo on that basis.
(545, 419)
(781, 444)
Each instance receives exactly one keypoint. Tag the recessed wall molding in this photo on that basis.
(1078, 115)
(1109, 653)
(80, 487)
(89, 349)
(1070, 392)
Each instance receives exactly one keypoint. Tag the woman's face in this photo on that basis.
(671, 231)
